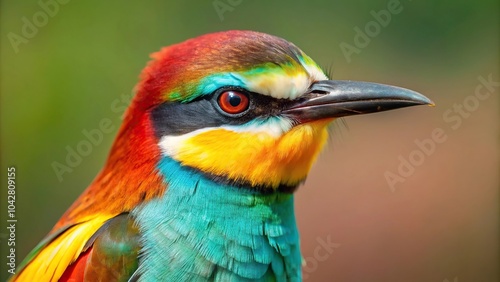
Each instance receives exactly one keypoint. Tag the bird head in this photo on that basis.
(246, 108)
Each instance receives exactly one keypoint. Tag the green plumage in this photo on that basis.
(202, 231)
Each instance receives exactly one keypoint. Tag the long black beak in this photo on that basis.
(338, 98)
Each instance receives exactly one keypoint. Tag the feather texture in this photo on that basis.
(51, 262)
(202, 231)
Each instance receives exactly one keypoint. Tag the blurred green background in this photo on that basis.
(440, 224)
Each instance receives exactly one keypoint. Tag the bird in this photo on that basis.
(199, 183)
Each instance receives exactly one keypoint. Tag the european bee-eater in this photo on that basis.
(199, 182)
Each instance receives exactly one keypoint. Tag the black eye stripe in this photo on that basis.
(181, 118)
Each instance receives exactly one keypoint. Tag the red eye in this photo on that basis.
(233, 102)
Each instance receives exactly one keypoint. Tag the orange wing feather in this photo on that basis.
(128, 179)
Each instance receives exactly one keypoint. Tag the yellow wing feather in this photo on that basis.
(52, 261)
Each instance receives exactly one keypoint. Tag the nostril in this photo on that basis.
(319, 92)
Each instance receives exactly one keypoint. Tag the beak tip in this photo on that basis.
(416, 97)
(426, 101)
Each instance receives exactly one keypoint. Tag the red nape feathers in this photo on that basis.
(128, 178)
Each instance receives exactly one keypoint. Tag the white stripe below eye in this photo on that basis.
(274, 127)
